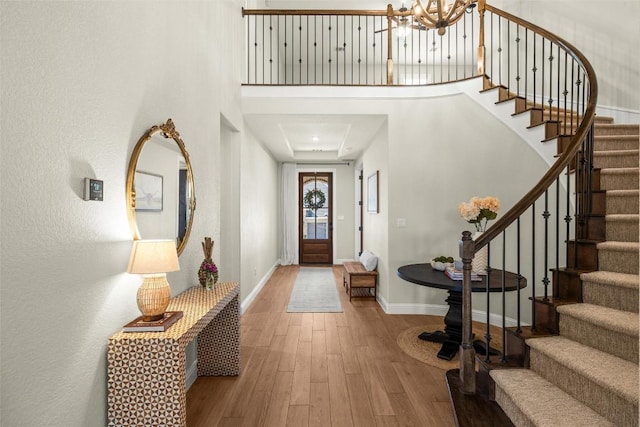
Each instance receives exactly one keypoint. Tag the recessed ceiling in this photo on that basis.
(309, 138)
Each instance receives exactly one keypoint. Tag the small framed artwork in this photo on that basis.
(148, 188)
(372, 193)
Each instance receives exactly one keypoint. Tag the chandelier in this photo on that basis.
(440, 14)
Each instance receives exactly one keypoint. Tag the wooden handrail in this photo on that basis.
(319, 12)
(574, 145)
(469, 247)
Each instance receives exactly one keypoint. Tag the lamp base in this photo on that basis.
(153, 296)
(153, 318)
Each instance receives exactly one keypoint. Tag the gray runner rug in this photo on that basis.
(314, 292)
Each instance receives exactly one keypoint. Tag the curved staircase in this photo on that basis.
(587, 374)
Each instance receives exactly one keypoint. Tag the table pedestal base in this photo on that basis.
(452, 335)
(451, 338)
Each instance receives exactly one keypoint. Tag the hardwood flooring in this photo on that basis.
(321, 369)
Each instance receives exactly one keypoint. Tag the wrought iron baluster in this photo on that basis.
(533, 267)
(504, 296)
(487, 336)
(519, 304)
(546, 215)
(557, 267)
(567, 218)
(542, 62)
(499, 50)
(508, 38)
(518, 60)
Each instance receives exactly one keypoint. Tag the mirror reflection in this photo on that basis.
(160, 187)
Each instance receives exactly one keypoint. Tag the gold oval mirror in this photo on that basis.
(160, 193)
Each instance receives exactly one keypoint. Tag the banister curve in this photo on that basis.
(568, 154)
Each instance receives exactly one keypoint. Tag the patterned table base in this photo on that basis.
(147, 371)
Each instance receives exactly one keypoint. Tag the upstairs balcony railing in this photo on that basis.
(540, 73)
(352, 47)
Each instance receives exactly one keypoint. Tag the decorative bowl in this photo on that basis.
(440, 266)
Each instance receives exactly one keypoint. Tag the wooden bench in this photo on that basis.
(356, 276)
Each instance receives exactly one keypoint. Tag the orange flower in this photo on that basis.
(479, 211)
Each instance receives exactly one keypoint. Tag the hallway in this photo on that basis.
(321, 369)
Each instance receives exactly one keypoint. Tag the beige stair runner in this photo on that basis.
(588, 375)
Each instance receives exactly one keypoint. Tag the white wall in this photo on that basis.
(81, 82)
(259, 195)
(344, 219)
(458, 151)
(375, 226)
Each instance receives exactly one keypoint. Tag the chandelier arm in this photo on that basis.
(457, 11)
(439, 16)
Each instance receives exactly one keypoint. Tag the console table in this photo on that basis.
(147, 370)
(425, 275)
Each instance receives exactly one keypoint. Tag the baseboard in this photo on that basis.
(620, 115)
(246, 302)
(425, 309)
(192, 374)
(341, 261)
(383, 303)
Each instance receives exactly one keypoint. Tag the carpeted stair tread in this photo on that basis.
(606, 329)
(616, 142)
(614, 374)
(622, 202)
(619, 179)
(615, 290)
(539, 402)
(626, 152)
(619, 246)
(601, 129)
(622, 217)
(618, 256)
(607, 318)
(615, 158)
(611, 278)
(622, 227)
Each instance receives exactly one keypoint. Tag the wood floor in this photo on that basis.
(321, 369)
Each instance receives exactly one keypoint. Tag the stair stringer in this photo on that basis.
(518, 123)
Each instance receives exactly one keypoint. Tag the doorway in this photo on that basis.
(315, 217)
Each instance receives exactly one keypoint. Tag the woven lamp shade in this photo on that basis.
(153, 258)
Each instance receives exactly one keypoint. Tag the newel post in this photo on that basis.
(389, 44)
(467, 353)
(481, 46)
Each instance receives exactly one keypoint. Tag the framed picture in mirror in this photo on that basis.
(148, 188)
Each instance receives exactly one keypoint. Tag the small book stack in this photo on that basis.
(454, 274)
(139, 325)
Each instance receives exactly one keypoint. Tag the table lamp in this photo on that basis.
(154, 259)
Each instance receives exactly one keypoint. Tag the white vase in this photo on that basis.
(479, 264)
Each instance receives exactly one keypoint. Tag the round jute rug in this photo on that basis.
(426, 352)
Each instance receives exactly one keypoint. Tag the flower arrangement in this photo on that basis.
(479, 211)
(210, 268)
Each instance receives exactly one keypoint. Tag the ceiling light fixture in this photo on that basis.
(439, 14)
(315, 138)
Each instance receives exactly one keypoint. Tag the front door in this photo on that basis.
(316, 225)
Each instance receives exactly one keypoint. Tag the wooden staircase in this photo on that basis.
(578, 363)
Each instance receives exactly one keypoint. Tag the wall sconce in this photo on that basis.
(153, 259)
